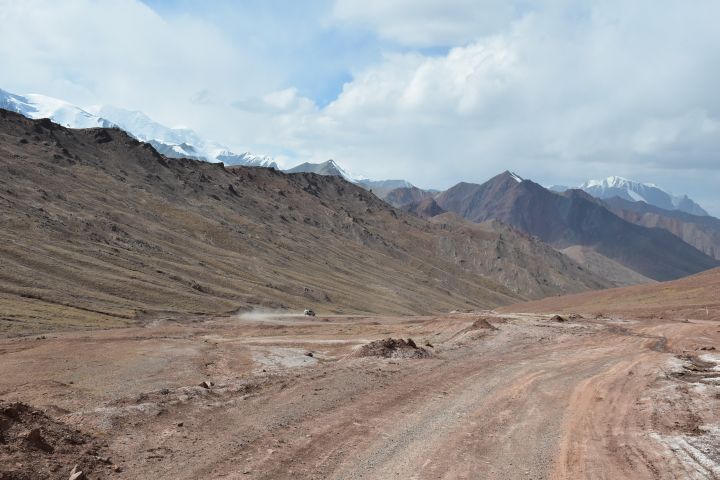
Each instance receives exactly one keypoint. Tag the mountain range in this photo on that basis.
(100, 227)
(185, 143)
(574, 222)
(616, 228)
(171, 142)
(634, 191)
(157, 235)
(330, 167)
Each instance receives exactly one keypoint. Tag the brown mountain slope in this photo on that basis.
(605, 267)
(544, 271)
(702, 232)
(100, 229)
(694, 297)
(575, 218)
(425, 208)
(400, 197)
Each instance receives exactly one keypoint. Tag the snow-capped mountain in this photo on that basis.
(641, 192)
(381, 186)
(61, 112)
(329, 167)
(145, 128)
(248, 159)
(171, 142)
(178, 142)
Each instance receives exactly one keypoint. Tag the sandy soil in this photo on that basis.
(519, 396)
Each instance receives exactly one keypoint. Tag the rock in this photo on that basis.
(206, 384)
(35, 439)
(12, 411)
(707, 348)
(558, 318)
(309, 354)
(76, 474)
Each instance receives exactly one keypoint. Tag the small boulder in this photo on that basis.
(35, 439)
(206, 384)
(558, 318)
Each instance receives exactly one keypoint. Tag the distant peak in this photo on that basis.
(614, 181)
(508, 175)
(515, 176)
(640, 192)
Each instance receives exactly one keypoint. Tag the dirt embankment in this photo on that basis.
(34, 446)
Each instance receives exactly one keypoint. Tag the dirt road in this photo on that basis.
(524, 396)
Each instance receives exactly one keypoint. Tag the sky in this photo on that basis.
(435, 92)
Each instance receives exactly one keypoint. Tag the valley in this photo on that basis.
(359, 240)
(151, 326)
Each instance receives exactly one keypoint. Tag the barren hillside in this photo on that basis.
(101, 230)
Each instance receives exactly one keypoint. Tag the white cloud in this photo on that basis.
(289, 100)
(120, 52)
(427, 23)
(559, 95)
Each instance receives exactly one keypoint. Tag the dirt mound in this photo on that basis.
(481, 324)
(392, 348)
(34, 446)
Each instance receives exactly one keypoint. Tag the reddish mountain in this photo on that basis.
(700, 231)
(575, 218)
(426, 208)
(400, 197)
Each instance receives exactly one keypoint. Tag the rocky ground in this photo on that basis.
(463, 395)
